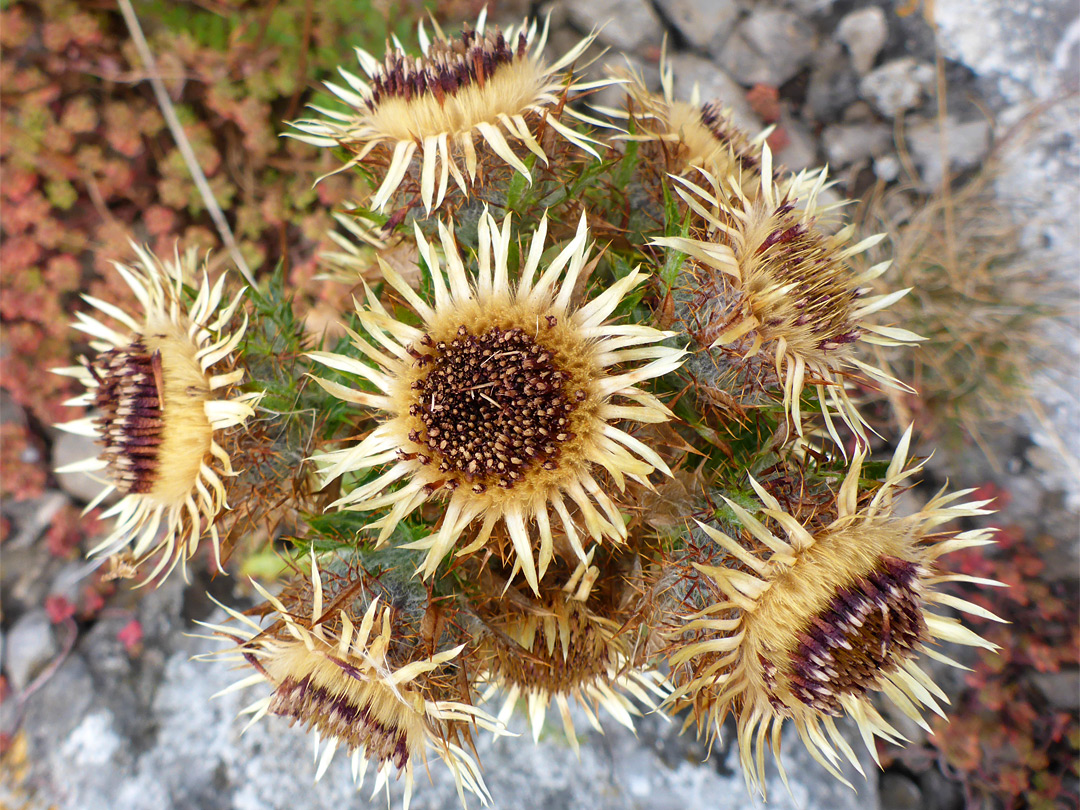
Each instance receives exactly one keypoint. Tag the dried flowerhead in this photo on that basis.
(771, 297)
(161, 388)
(351, 665)
(808, 626)
(422, 115)
(502, 403)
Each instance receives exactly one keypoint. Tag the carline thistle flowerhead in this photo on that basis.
(773, 298)
(690, 134)
(805, 627)
(503, 402)
(160, 406)
(485, 83)
(347, 672)
(571, 643)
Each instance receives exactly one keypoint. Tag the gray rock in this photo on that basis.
(10, 410)
(897, 86)
(714, 85)
(966, 145)
(801, 150)
(864, 32)
(846, 144)
(898, 792)
(32, 517)
(624, 24)
(833, 87)
(704, 24)
(1061, 689)
(69, 448)
(30, 646)
(887, 168)
(769, 47)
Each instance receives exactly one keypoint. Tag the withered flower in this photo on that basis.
(429, 110)
(502, 403)
(160, 406)
(808, 626)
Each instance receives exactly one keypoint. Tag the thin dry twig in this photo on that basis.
(182, 142)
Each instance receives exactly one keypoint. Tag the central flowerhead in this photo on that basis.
(503, 403)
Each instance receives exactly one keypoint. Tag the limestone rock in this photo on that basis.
(897, 86)
(863, 32)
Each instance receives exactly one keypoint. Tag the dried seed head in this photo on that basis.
(503, 403)
(161, 388)
(809, 626)
(771, 298)
(421, 115)
(357, 678)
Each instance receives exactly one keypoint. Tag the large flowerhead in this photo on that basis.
(572, 643)
(423, 115)
(770, 295)
(807, 622)
(162, 387)
(504, 402)
(343, 662)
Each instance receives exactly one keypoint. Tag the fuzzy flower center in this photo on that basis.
(491, 408)
(865, 632)
(128, 397)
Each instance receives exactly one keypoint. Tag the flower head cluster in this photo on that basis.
(160, 389)
(807, 625)
(503, 403)
(430, 110)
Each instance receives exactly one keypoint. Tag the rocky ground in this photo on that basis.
(115, 714)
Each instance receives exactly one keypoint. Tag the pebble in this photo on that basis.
(1061, 689)
(779, 43)
(966, 145)
(846, 144)
(30, 646)
(833, 87)
(704, 24)
(897, 86)
(69, 448)
(898, 792)
(864, 32)
(624, 24)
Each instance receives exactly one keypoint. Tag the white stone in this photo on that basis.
(624, 24)
(846, 144)
(897, 86)
(705, 24)
(966, 145)
(29, 647)
(864, 32)
(769, 47)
